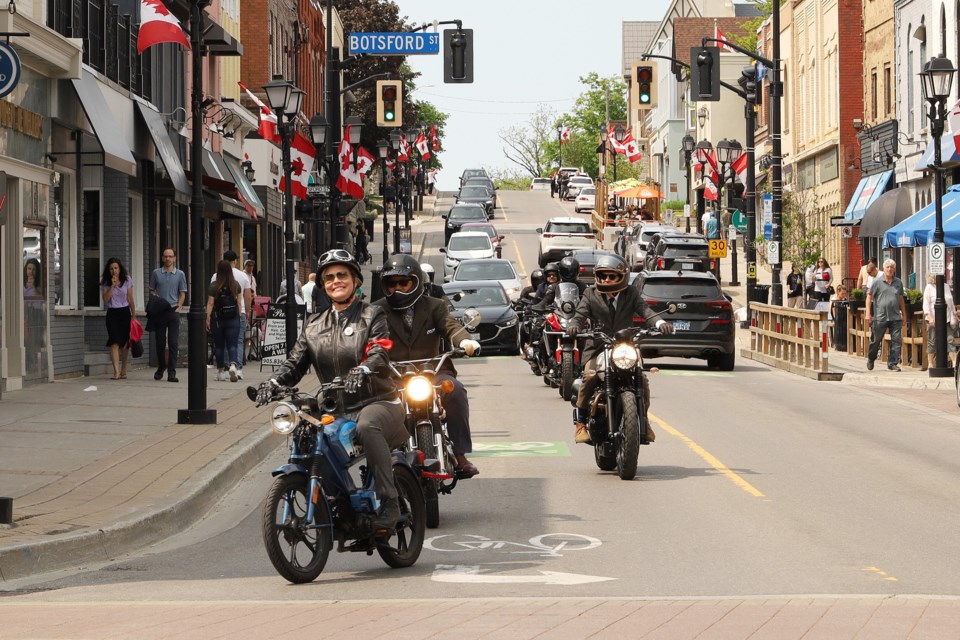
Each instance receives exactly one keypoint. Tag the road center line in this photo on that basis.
(709, 458)
(516, 250)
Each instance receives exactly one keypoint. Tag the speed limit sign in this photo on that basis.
(938, 263)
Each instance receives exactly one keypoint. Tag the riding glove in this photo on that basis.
(572, 330)
(355, 379)
(265, 392)
(470, 346)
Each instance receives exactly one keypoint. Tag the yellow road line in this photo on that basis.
(516, 249)
(710, 459)
(503, 209)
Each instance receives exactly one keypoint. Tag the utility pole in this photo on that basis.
(776, 169)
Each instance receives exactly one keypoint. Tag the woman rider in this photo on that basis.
(345, 341)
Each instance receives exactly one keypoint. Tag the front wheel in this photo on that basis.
(404, 545)
(628, 449)
(431, 496)
(297, 549)
(567, 375)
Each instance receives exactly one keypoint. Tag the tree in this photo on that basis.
(749, 40)
(801, 236)
(427, 114)
(525, 144)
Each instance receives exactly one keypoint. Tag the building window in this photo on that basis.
(91, 249)
(887, 91)
(873, 94)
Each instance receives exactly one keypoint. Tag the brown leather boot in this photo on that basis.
(582, 436)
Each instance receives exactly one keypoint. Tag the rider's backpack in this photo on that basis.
(225, 304)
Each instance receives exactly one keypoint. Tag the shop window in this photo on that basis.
(91, 249)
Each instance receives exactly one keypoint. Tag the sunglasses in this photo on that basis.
(607, 276)
(336, 275)
(393, 283)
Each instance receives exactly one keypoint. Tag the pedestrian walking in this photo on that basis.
(867, 273)
(431, 179)
(246, 299)
(795, 289)
(885, 310)
(823, 281)
(362, 254)
(248, 268)
(308, 291)
(224, 303)
(929, 299)
(116, 289)
(168, 291)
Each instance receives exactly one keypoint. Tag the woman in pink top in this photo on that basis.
(116, 288)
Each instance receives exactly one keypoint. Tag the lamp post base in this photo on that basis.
(940, 372)
(197, 416)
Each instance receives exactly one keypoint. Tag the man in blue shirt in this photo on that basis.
(168, 290)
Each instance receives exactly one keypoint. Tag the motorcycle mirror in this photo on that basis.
(470, 319)
(671, 308)
(252, 393)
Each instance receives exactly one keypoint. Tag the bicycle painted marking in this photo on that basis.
(547, 545)
(521, 449)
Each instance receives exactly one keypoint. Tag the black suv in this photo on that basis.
(459, 214)
(678, 252)
(703, 326)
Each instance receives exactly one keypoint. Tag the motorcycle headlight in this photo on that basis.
(419, 389)
(625, 356)
(284, 418)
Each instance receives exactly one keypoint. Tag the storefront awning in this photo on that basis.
(248, 196)
(166, 152)
(889, 210)
(869, 189)
(948, 153)
(224, 204)
(917, 230)
(116, 150)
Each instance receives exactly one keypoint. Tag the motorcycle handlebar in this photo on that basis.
(439, 359)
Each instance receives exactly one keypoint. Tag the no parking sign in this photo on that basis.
(938, 263)
(9, 69)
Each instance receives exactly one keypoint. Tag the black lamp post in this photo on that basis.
(937, 80)
(560, 145)
(729, 153)
(411, 136)
(702, 152)
(619, 134)
(318, 135)
(285, 99)
(688, 145)
(395, 143)
(382, 147)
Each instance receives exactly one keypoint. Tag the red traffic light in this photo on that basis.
(644, 74)
(389, 92)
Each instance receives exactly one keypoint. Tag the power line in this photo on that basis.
(438, 95)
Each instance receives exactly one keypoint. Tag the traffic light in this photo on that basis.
(457, 56)
(705, 74)
(646, 79)
(748, 82)
(389, 103)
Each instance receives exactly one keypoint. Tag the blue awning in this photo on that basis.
(948, 153)
(917, 230)
(869, 189)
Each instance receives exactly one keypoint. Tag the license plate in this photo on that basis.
(681, 325)
(688, 266)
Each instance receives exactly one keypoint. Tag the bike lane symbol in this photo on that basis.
(549, 545)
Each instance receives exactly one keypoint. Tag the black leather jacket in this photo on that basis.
(333, 349)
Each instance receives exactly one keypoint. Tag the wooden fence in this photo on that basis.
(914, 352)
(794, 340)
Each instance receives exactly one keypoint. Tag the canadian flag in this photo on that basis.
(618, 146)
(391, 164)
(268, 120)
(739, 167)
(565, 135)
(423, 146)
(403, 155)
(350, 181)
(710, 191)
(158, 25)
(301, 160)
(434, 140)
(722, 38)
(631, 148)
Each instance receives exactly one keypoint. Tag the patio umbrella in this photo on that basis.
(640, 191)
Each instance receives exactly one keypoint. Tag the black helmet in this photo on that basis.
(612, 264)
(536, 278)
(569, 269)
(552, 267)
(427, 269)
(402, 265)
(339, 256)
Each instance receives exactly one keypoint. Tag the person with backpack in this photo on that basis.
(224, 303)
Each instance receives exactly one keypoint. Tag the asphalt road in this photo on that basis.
(760, 483)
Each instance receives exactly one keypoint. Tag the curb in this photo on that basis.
(177, 512)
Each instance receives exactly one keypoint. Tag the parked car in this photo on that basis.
(498, 331)
(471, 173)
(562, 235)
(576, 183)
(703, 326)
(588, 260)
(496, 269)
(465, 245)
(540, 184)
(640, 235)
(487, 227)
(460, 214)
(678, 252)
(585, 200)
(478, 195)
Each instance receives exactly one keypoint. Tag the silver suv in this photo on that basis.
(562, 235)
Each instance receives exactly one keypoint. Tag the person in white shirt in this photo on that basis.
(823, 280)
(308, 291)
(929, 298)
(247, 299)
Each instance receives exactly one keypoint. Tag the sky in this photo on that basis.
(525, 53)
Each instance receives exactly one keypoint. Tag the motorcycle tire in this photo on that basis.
(604, 463)
(431, 497)
(567, 375)
(297, 552)
(405, 544)
(628, 446)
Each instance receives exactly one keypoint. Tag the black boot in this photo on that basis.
(388, 516)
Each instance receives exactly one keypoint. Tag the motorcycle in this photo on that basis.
(325, 493)
(563, 351)
(618, 410)
(531, 335)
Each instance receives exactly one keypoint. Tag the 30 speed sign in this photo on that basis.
(718, 249)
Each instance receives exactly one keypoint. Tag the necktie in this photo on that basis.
(408, 318)
(612, 305)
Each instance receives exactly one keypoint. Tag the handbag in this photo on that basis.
(136, 333)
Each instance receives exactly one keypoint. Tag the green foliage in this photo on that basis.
(510, 180)
(859, 295)
(749, 40)
(802, 240)
(429, 114)
(673, 205)
(913, 296)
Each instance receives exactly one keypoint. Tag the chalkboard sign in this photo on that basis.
(274, 347)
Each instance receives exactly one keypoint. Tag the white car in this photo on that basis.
(465, 245)
(540, 184)
(576, 184)
(562, 235)
(640, 235)
(490, 269)
(585, 199)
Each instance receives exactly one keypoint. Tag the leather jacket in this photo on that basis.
(434, 330)
(333, 348)
(593, 310)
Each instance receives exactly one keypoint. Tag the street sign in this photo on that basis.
(686, 211)
(768, 216)
(752, 270)
(740, 221)
(732, 233)
(718, 248)
(9, 69)
(938, 263)
(773, 252)
(316, 190)
(394, 44)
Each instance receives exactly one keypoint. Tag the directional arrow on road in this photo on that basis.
(472, 575)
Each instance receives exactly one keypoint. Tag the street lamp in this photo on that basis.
(619, 134)
(395, 143)
(383, 147)
(411, 136)
(560, 144)
(318, 135)
(702, 153)
(688, 145)
(729, 151)
(285, 99)
(248, 170)
(936, 79)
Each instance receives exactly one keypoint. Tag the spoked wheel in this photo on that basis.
(431, 497)
(403, 547)
(298, 551)
(567, 375)
(629, 445)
